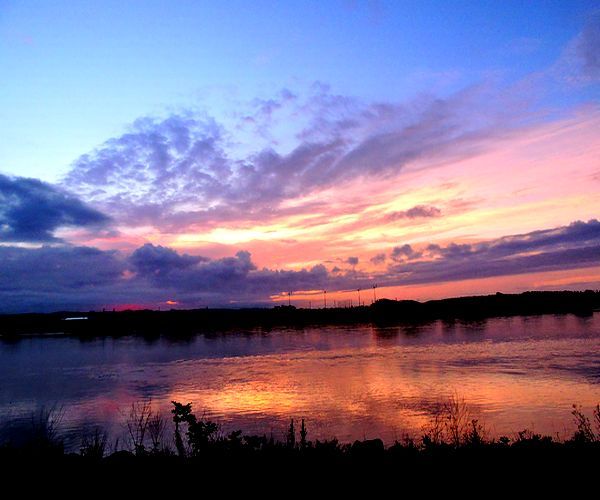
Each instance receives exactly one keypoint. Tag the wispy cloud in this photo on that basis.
(579, 63)
(416, 212)
(588, 47)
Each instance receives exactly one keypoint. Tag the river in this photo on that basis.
(351, 382)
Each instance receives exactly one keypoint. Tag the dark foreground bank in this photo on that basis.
(452, 446)
(185, 322)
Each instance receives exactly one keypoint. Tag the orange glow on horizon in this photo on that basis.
(553, 280)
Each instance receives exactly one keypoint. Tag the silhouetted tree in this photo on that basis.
(200, 433)
(181, 414)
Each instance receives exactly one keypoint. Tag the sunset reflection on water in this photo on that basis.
(347, 382)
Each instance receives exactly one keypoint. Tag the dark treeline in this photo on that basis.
(383, 311)
(453, 442)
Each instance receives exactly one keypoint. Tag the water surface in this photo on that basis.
(349, 382)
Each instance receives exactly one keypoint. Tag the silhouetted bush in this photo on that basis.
(201, 434)
(453, 443)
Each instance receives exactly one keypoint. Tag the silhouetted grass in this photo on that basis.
(453, 444)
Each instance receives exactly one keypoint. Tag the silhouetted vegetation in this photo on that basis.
(185, 322)
(452, 441)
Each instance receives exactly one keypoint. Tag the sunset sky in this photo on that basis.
(193, 154)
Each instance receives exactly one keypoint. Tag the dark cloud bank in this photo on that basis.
(68, 277)
(568, 247)
(31, 210)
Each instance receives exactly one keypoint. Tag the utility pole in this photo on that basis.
(374, 294)
(358, 290)
(325, 298)
(289, 298)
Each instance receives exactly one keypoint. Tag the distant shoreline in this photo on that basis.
(192, 321)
